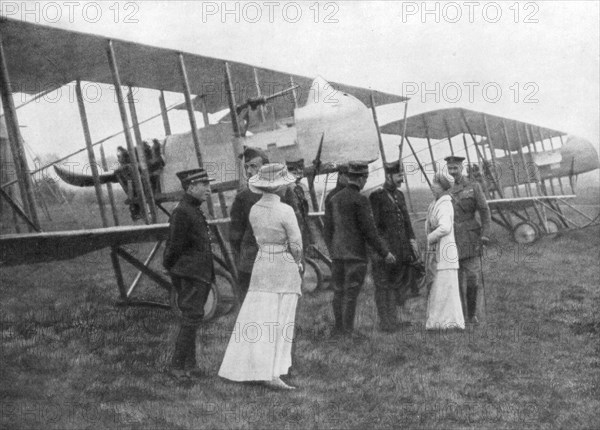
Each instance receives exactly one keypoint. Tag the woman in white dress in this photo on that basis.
(444, 309)
(260, 347)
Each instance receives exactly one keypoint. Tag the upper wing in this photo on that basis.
(440, 124)
(42, 57)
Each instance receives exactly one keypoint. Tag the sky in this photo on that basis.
(533, 61)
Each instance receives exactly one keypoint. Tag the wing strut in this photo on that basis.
(496, 180)
(137, 179)
(16, 146)
(400, 149)
(512, 161)
(429, 146)
(418, 162)
(541, 214)
(90, 152)
(379, 139)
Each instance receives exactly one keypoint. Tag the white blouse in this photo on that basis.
(280, 246)
(440, 233)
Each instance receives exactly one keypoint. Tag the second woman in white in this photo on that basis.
(444, 310)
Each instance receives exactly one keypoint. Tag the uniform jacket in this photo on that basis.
(393, 222)
(349, 226)
(439, 227)
(467, 199)
(241, 235)
(188, 251)
(337, 189)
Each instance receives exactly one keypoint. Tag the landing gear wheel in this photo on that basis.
(554, 225)
(210, 307)
(222, 296)
(525, 232)
(313, 277)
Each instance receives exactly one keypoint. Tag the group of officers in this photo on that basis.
(356, 229)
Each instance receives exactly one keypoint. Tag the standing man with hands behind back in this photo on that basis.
(188, 259)
(349, 227)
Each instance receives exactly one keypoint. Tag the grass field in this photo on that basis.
(72, 360)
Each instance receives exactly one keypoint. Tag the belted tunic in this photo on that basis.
(468, 199)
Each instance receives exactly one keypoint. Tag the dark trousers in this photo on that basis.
(244, 283)
(469, 272)
(348, 277)
(188, 297)
(393, 286)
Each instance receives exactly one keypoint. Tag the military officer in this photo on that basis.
(240, 232)
(468, 199)
(189, 261)
(349, 227)
(393, 283)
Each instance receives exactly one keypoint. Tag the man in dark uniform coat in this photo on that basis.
(296, 192)
(342, 181)
(393, 283)
(241, 236)
(189, 261)
(349, 227)
(468, 198)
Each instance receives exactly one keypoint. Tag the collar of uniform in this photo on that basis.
(188, 198)
(353, 186)
(461, 180)
(268, 199)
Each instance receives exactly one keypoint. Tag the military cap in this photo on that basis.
(358, 168)
(393, 167)
(193, 175)
(251, 152)
(295, 165)
(453, 159)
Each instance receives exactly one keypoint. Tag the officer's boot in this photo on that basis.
(348, 316)
(338, 314)
(391, 303)
(190, 357)
(472, 301)
(381, 297)
(185, 337)
(191, 365)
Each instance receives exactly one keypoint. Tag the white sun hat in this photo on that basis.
(271, 177)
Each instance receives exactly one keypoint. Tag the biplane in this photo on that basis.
(528, 172)
(290, 116)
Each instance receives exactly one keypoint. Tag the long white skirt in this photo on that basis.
(260, 347)
(444, 309)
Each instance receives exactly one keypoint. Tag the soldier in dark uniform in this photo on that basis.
(189, 261)
(349, 227)
(296, 192)
(468, 198)
(393, 283)
(240, 231)
(342, 181)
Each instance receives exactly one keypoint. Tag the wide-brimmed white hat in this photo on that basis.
(271, 177)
